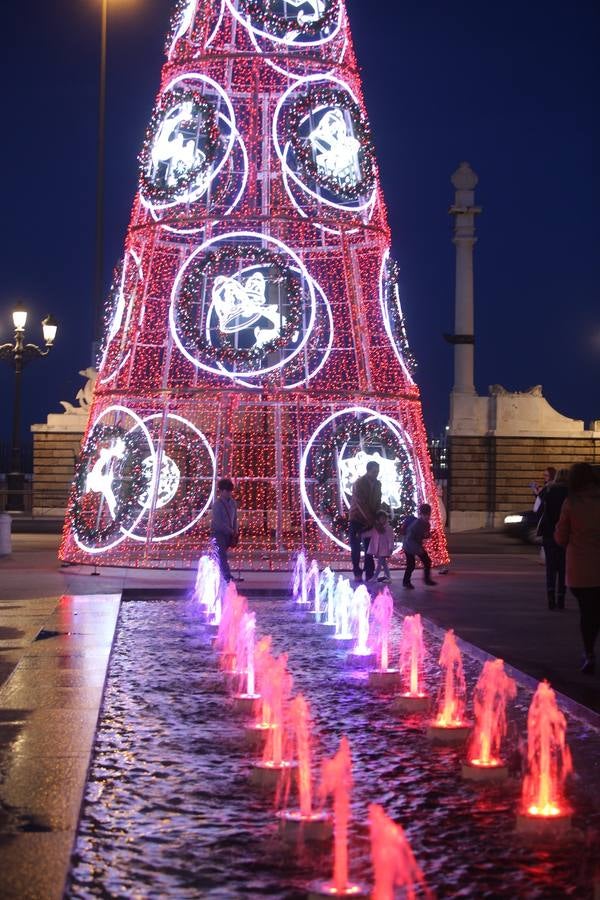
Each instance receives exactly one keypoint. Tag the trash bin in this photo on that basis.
(5, 534)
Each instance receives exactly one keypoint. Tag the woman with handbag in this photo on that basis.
(224, 524)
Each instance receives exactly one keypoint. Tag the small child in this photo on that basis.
(417, 532)
(381, 545)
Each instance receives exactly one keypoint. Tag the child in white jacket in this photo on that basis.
(381, 545)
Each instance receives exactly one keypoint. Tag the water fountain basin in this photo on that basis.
(448, 734)
(267, 774)
(255, 735)
(318, 889)
(293, 825)
(411, 703)
(534, 826)
(244, 704)
(471, 771)
(360, 660)
(382, 679)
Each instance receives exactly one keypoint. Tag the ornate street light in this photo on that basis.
(18, 354)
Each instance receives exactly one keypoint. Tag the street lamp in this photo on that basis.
(18, 354)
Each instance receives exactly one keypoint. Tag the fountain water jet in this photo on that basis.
(394, 864)
(543, 805)
(207, 589)
(325, 602)
(343, 604)
(299, 591)
(361, 654)
(256, 733)
(412, 655)
(234, 607)
(382, 613)
(450, 726)
(337, 780)
(276, 689)
(245, 701)
(313, 825)
(493, 690)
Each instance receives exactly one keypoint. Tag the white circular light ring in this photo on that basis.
(293, 58)
(124, 326)
(129, 532)
(261, 238)
(372, 415)
(139, 423)
(252, 29)
(366, 207)
(386, 317)
(230, 121)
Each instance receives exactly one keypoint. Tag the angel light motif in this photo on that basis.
(171, 150)
(240, 305)
(335, 148)
(100, 479)
(351, 468)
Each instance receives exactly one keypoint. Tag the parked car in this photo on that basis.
(523, 526)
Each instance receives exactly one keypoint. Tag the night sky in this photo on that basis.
(513, 88)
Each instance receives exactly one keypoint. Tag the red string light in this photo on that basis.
(285, 354)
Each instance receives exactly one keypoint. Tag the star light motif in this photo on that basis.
(351, 468)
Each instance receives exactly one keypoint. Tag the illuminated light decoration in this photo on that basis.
(355, 466)
(184, 490)
(168, 481)
(100, 479)
(324, 145)
(257, 301)
(391, 310)
(404, 497)
(128, 276)
(195, 289)
(114, 470)
(193, 152)
(300, 23)
(182, 22)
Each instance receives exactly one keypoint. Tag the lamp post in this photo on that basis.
(18, 354)
(99, 262)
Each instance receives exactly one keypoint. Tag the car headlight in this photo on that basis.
(513, 520)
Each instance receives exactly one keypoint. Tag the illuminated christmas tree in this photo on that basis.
(254, 327)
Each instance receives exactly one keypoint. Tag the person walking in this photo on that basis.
(554, 555)
(365, 502)
(417, 532)
(224, 524)
(578, 529)
(381, 545)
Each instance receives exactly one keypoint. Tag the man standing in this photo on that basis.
(224, 525)
(365, 503)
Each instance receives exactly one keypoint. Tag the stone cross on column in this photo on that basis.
(464, 212)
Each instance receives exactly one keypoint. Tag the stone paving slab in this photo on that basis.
(49, 709)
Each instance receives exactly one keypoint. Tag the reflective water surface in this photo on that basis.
(169, 811)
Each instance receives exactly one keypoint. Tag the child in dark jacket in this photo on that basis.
(418, 532)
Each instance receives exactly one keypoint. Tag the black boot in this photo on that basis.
(551, 600)
(560, 601)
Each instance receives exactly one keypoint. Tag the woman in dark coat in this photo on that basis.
(555, 493)
(578, 530)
